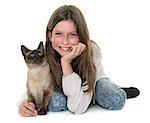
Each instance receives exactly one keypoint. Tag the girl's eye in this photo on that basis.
(57, 33)
(73, 35)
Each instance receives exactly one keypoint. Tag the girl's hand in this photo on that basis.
(27, 109)
(76, 51)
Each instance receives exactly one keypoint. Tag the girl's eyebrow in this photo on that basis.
(58, 31)
(68, 32)
(74, 31)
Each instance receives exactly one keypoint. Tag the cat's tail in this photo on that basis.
(131, 92)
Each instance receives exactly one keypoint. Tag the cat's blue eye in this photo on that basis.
(40, 53)
(31, 55)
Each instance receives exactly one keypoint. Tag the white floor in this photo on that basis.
(135, 110)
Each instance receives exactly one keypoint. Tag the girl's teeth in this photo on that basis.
(65, 48)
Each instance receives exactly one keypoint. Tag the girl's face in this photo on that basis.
(64, 36)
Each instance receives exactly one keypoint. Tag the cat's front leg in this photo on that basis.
(31, 98)
(46, 98)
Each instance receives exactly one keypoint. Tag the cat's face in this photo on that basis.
(33, 56)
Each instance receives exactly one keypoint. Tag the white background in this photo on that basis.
(120, 27)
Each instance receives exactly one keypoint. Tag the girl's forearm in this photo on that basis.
(66, 67)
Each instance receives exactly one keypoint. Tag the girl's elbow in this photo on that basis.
(74, 109)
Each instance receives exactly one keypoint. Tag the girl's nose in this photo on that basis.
(65, 40)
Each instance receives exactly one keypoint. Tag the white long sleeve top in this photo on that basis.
(78, 100)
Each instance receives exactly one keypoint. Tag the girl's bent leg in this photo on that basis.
(109, 95)
(58, 102)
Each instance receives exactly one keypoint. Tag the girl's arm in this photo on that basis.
(78, 100)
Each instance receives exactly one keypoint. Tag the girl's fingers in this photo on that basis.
(27, 109)
(26, 112)
(76, 51)
(30, 106)
(80, 49)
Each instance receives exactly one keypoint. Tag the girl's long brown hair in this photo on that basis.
(83, 65)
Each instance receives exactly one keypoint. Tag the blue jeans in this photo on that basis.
(108, 95)
(58, 102)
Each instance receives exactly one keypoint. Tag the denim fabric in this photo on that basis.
(109, 95)
(58, 102)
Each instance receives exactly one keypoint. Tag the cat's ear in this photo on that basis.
(24, 50)
(41, 46)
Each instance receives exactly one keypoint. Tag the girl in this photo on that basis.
(76, 68)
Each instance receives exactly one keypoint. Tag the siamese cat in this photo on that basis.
(39, 84)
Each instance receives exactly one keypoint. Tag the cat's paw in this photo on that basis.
(42, 112)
